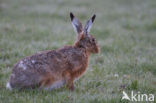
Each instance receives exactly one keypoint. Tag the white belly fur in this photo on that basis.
(55, 85)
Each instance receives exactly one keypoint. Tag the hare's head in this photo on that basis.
(84, 39)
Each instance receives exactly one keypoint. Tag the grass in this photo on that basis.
(126, 33)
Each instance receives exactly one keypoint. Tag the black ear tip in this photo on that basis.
(71, 16)
(93, 18)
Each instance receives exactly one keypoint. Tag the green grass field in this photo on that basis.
(126, 33)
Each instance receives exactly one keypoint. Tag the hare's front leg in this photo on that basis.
(69, 80)
(70, 84)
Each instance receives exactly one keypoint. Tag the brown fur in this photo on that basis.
(55, 66)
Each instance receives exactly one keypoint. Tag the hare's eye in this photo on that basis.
(93, 40)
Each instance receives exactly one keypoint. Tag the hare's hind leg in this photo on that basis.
(46, 82)
(49, 83)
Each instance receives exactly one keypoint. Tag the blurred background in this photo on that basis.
(124, 29)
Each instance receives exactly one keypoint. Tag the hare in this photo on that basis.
(54, 68)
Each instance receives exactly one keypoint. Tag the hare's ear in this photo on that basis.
(89, 25)
(76, 24)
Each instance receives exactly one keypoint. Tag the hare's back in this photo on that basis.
(35, 63)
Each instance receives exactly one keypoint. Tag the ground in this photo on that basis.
(126, 33)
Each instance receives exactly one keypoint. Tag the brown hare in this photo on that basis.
(55, 68)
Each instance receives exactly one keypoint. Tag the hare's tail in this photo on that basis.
(8, 86)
